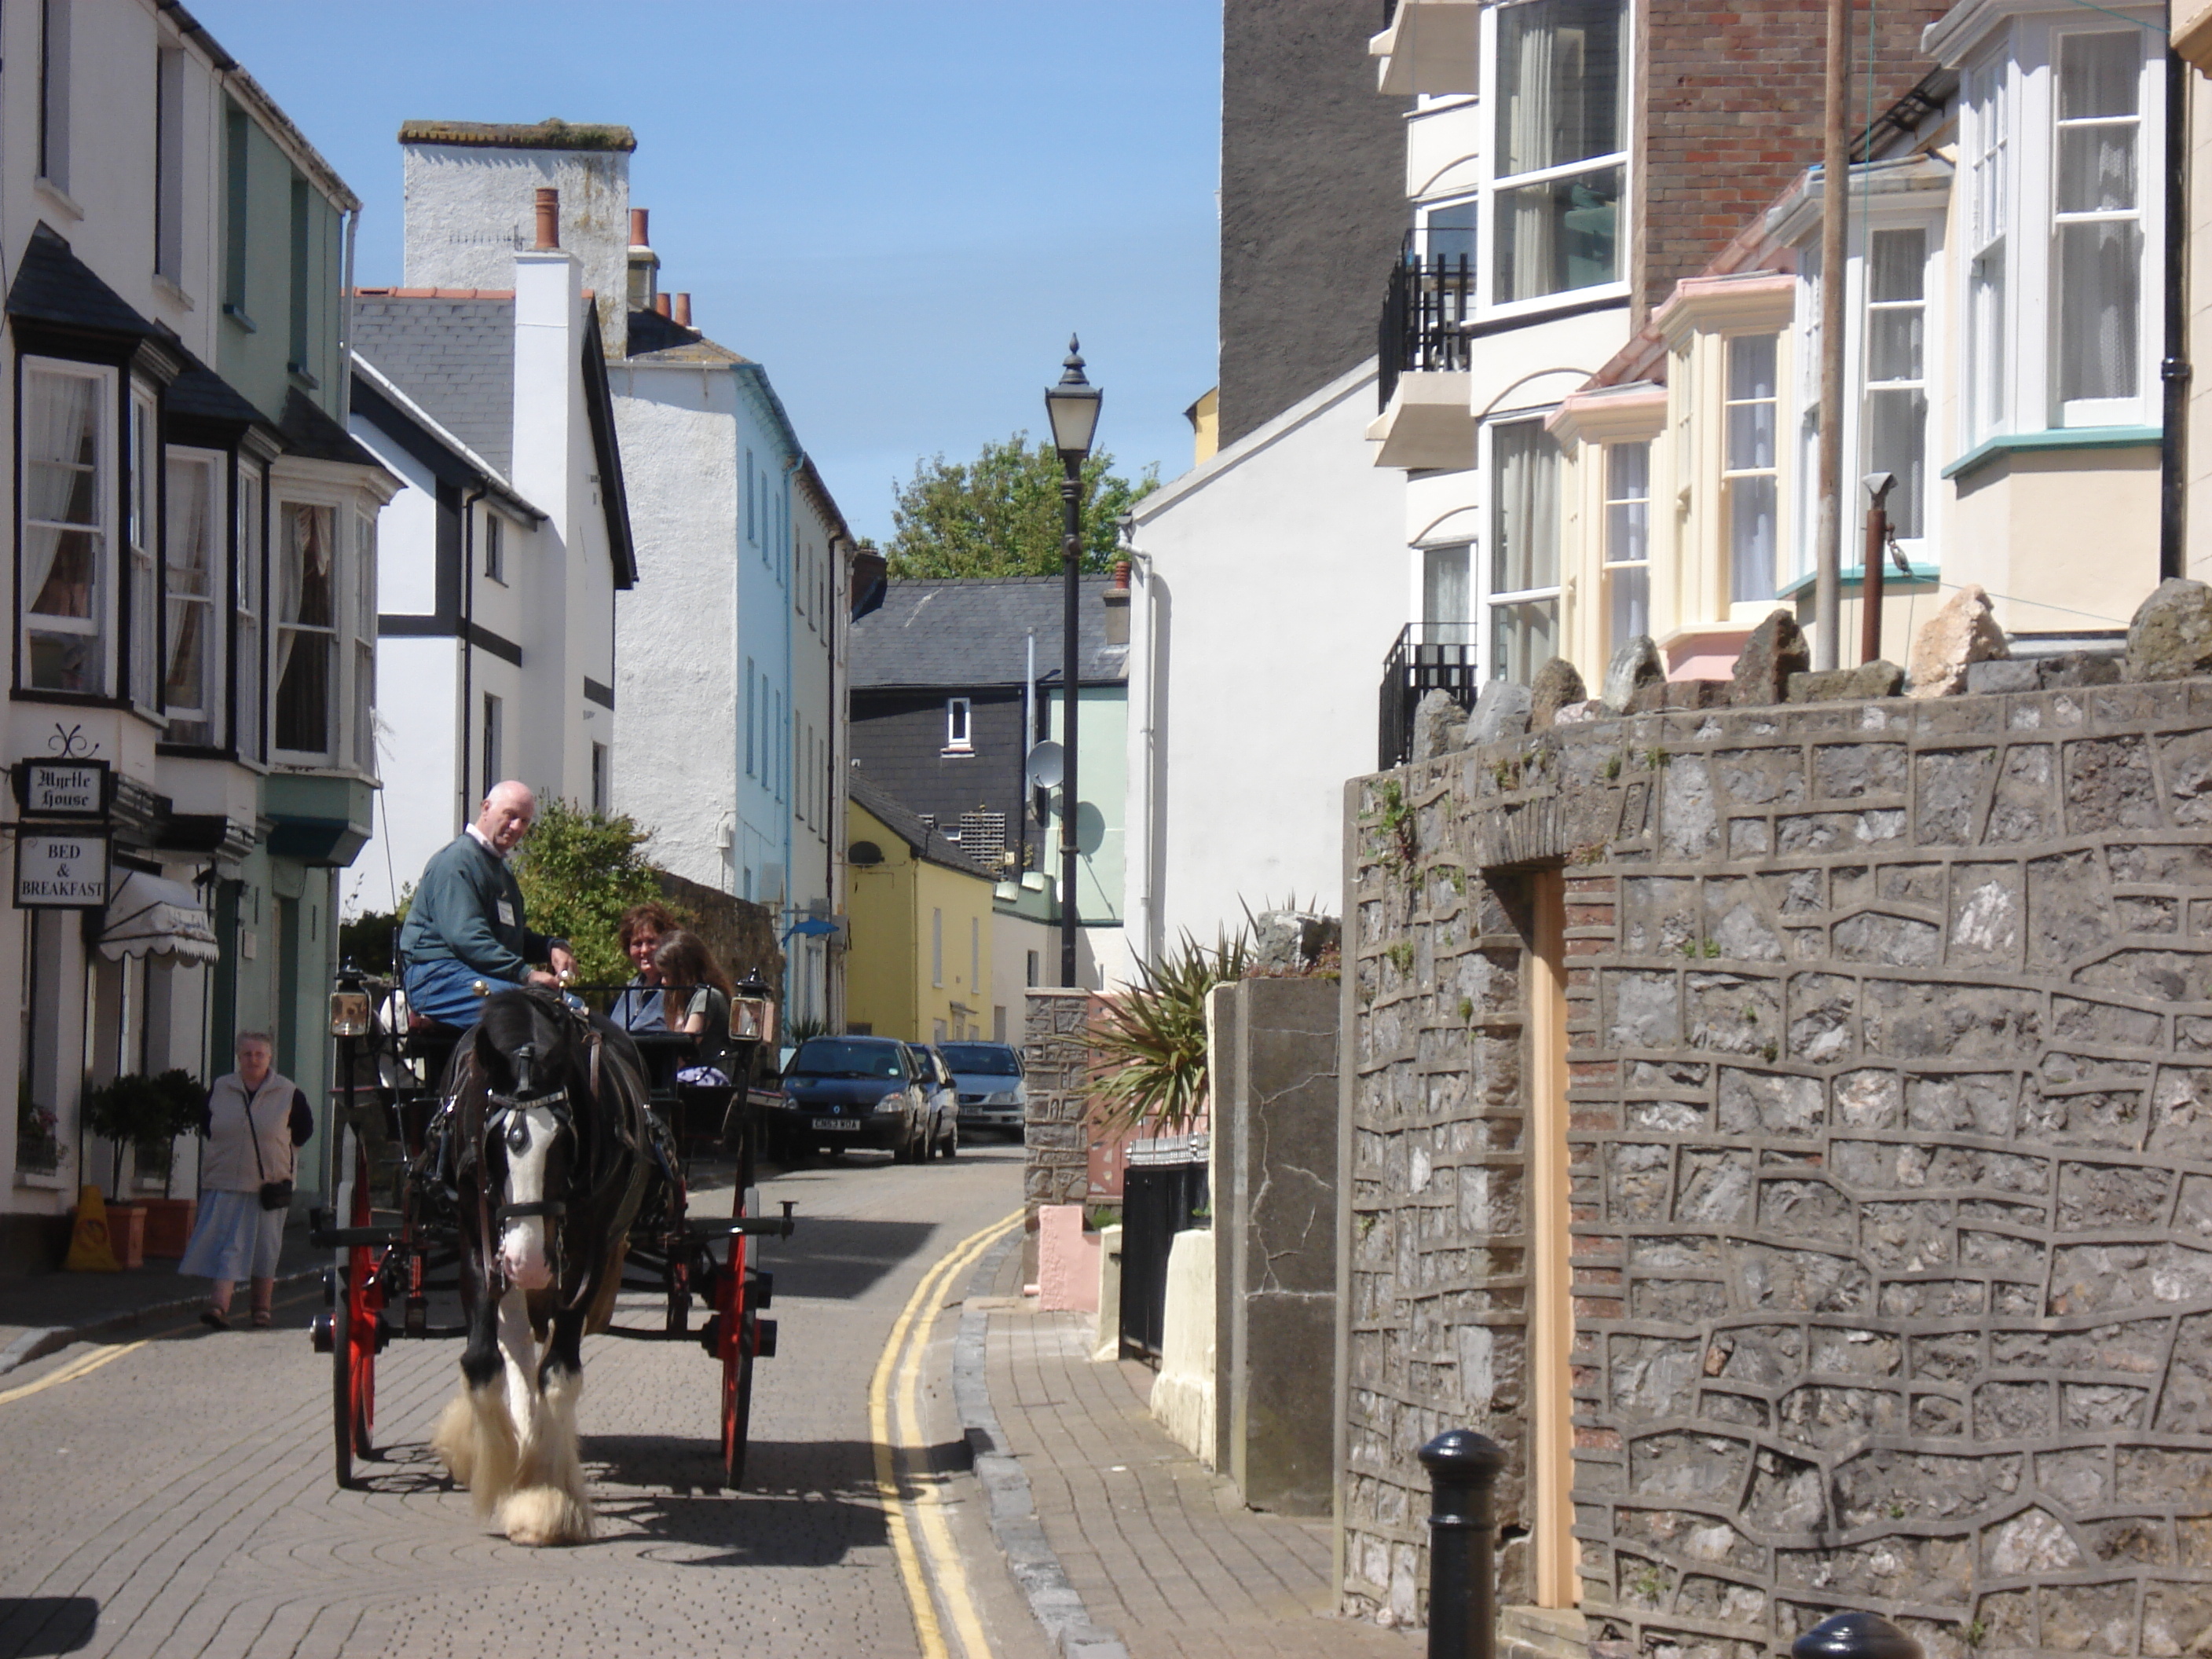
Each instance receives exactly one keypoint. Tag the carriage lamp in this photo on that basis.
(349, 1013)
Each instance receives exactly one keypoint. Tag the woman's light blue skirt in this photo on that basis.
(234, 1238)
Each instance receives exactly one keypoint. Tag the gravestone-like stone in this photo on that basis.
(2170, 636)
(1436, 722)
(1501, 712)
(1774, 651)
(1964, 632)
(1634, 666)
(1558, 683)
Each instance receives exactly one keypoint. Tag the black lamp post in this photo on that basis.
(1073, 406)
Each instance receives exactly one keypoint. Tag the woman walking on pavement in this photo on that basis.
(257, 1121)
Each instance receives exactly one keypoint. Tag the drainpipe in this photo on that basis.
(345, 323)
(469, 645)
(1137, 838)
(2175, 371)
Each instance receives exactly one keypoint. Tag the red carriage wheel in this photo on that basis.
(736, 1343)
(353, 1329)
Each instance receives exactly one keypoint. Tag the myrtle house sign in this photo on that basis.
(61, 869)
(62, 789)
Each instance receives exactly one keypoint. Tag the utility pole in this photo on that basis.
(1835, 192)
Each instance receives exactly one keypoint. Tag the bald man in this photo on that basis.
(464, 924)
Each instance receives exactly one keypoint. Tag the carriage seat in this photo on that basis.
(430, 1039)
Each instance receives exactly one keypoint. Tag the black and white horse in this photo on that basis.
(552, 1158)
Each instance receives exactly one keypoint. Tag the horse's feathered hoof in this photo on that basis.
(454, 1441)
(539, 1516)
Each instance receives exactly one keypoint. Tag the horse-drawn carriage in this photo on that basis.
(536, 1164)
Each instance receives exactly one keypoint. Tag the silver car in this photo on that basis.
(989, 1078)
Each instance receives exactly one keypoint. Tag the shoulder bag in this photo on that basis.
(275, 1194)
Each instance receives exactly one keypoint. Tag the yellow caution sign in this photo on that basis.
(89, 1251)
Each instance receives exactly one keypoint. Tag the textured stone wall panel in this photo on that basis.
(1890, 1108)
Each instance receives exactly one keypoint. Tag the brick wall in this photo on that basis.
(1890, 1152)
(1733, 114)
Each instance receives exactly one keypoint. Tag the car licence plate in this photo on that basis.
(833, 1124)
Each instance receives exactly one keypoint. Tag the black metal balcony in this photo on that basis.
(1425, 312)
(1427, 657)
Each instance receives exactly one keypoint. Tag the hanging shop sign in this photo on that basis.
(61, 869)
(62, 789)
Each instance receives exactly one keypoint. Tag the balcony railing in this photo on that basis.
(1427, 657)
(1426, 312)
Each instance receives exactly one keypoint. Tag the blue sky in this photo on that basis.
(900, 206)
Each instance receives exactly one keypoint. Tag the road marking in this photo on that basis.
(951, 1577)
(76, 1368)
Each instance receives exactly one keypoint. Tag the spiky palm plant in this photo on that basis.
(1148, 1053)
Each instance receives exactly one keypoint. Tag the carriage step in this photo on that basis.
(773, 1226)
(340, 1238)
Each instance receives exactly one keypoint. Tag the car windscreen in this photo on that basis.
(835, 1057)
(981, 1058)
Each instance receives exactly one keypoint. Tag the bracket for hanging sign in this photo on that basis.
(78, 789)
(62, 869)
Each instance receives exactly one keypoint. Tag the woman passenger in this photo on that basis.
(697, 1000)
(643, 927)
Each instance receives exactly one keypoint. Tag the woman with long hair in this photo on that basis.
(697, 1000)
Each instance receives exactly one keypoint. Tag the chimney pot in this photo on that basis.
(684, 310)
(637, 236)
(660, 304)
(549, 219)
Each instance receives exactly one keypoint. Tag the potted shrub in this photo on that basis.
(137, 1112)
(169, 1219)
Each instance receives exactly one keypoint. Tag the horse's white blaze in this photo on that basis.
(523, 1256)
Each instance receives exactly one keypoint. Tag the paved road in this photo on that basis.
(178, 1499)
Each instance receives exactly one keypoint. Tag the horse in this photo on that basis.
(551, 1155)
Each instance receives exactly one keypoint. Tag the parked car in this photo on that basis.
(854, 1092)
(943, 1108)
(992, 1093)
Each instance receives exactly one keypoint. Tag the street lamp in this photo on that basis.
(1072, 406)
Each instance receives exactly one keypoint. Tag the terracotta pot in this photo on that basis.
(169, 1225)
(126, 1233)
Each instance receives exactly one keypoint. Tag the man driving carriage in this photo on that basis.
(466, 926)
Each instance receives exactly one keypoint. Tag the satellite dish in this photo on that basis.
(1047, 765)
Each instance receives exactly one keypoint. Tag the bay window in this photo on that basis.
(1627, 548)
(2097, 251)
(1524, 549)
(1897, 371)
(364, 643)
(1988, 211)
(142, 597)
(1560, 145)
(68, 526)
(1750, 482)
(191, 677)
(306, 669)
(249, 609)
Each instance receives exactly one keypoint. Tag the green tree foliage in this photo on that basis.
(999, 515)
(1148, 1051)
(579, 871)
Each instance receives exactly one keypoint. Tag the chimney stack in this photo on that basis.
(683, 310)
(660, 305)
(549, 219)
(644, 263)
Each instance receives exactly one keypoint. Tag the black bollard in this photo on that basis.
(1855, 1636)
(1462, 1468)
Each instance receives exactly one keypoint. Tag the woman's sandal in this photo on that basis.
(263, 1319)
(215, 1319)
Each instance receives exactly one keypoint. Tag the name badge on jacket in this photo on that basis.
(506, 914)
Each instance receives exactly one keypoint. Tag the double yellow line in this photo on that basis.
(898, 1374)
(78, 1367)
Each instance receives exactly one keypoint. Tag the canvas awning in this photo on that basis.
(151, 916)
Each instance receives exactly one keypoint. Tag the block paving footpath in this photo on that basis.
(41, 1314)
(1144, 1551)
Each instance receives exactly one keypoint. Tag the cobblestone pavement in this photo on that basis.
(1162, 1550)
(178, 1500)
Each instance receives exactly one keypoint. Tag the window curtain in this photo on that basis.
(304, 616)
(1525, 551)
(191, 585)
(60, 565)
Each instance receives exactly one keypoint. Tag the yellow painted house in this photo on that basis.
(918, 961)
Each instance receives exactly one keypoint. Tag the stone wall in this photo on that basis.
(1890, 1048)
(1056, 1058)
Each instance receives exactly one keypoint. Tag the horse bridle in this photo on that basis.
(512, 1112)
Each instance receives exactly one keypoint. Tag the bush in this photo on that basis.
(579, 871)
(1148, 1054)
(146, 1112)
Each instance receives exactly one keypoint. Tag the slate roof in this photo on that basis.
(53, 285)
(662, 339)
(200, 394)
(453, 356)
(974, 633)
(907, 825)
(309, 432)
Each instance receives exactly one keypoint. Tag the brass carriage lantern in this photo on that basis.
(349, 1013)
